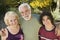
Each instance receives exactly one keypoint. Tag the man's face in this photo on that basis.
(26, 13)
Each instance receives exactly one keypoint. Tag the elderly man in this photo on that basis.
(29, 23)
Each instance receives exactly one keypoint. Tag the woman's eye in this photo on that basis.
(14, 19)
(10, 20)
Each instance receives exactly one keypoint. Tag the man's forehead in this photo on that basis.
(24, 7)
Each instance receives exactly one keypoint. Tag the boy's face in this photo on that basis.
(26, 13)
(46, 21)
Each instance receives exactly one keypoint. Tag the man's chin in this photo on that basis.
(27, 19)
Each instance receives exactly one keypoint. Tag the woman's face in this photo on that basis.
(12, 21)
(46, 21)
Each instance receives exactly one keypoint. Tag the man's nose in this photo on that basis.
(25, 13)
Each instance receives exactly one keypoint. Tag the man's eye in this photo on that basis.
(22, 12)
(27, 10)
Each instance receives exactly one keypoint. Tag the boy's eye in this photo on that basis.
(48, 18)
(43, 19)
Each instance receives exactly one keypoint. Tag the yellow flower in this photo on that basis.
(37, 3)
(41, 5)
(32, 4)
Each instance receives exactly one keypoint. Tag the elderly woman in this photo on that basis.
(13, 30)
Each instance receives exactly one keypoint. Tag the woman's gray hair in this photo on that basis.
(24, 5)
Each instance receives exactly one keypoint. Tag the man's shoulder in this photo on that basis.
(35, 17)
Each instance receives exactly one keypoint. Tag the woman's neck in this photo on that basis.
(14, 29)
(14, 26)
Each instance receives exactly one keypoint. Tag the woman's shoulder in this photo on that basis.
(21, 31)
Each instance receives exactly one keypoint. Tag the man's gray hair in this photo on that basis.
(24, 5)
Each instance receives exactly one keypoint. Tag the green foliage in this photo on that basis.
(11, 3)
